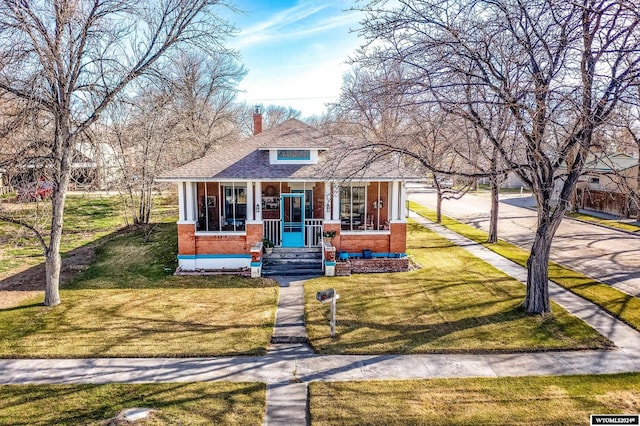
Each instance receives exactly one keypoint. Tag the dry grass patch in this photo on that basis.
(142, 323)
(565, 400)
(175, 403)
(455, 303)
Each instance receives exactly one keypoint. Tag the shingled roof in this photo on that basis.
(249, 159)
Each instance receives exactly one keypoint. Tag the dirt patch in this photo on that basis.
(9, 299)
(27, 280)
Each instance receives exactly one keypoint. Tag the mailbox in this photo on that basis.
(325, 295)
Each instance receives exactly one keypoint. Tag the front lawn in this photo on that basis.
(565, 400)
(619, 304)
(455, 303)
(129, 304)
(175, 403)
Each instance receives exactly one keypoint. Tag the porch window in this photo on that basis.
(221, 207)
(352, 207)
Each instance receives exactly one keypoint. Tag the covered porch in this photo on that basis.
(221, 221)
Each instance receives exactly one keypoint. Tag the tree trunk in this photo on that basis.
(53, 261)
(439, 207)
(493, 220)
(536, 300)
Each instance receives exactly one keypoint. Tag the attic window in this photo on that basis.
(293, 154)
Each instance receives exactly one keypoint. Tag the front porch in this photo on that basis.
(222, 221)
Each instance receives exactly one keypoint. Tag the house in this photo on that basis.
(287, 185)
(607, 183)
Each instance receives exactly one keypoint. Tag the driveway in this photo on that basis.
(604, 254)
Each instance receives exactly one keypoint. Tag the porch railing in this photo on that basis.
(271, 230)
(312, 232)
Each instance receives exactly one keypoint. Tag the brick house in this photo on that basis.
(287, 185)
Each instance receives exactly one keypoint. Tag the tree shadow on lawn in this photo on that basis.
(103, 402)
(403, 338)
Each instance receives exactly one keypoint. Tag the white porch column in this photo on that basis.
(403, 201)
(250, 203)
(326, 207)
(182, 202)
(191, 201)
(258, 201)
(335, 213)
(395, 189)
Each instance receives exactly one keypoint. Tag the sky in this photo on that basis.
(295, 51)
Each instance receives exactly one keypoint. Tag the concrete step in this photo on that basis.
(288, 260)
(283, 270)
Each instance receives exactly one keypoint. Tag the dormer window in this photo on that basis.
(293, 154)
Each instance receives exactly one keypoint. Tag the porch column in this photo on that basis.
(182, 202)
(403, 201)
(335, 215)
(326, 208)
(191, 201)
(395, 189)
(258, 201)
(250, 205)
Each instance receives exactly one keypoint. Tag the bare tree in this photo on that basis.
(171, 121)
(72, 58)
(558, 68)
(272, 115)
(380, 114)
(201, 94)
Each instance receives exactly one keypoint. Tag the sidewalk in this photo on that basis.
(288, 367)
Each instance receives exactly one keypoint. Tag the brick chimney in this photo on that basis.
(257, 120)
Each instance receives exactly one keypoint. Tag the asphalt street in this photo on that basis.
(604, 254)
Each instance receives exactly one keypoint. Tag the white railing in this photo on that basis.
(272, 231)
(312, 232)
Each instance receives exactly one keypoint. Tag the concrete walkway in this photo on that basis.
(290, 365)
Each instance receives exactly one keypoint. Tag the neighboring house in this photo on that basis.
(607, 183)
(512, 181)
(94, 165)
(288, 185)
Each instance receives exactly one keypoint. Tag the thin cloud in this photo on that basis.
(288, 24)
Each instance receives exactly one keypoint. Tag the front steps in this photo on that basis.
(293, 261)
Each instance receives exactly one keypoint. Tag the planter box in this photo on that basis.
(366, 266)
(343, 269)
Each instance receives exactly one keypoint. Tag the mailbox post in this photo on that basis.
(329, 295)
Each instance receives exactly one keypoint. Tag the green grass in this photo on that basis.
(455, 304)
(176, 403)
(612, 223)
(87, 218)
(128, 304)
(619, 304)
(564, 400)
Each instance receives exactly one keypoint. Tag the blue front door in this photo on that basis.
(292, 219)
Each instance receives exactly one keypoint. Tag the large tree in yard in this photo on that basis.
(71, 59)
(558, 68)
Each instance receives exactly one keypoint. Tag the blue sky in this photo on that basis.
(295, 51)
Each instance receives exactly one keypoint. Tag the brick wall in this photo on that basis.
(378, 243)
(398, 240)
(186, 239)
(221, 244)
